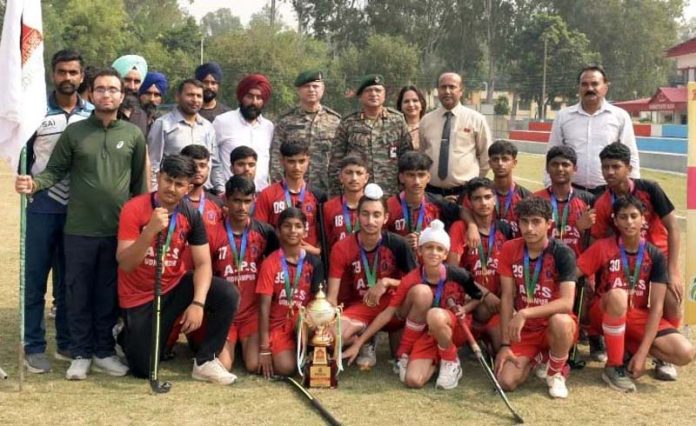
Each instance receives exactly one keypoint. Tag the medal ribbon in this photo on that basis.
(632, 278)
(290, 289)
(288, 197)
(483, 255)
(238, 255)
(530, 284)
(440, 284)
(346, 218)
(170, 230)
(560, 224)
(370, 273)
(407, 215)
(508, 202)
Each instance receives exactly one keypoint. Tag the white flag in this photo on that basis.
(22, 86)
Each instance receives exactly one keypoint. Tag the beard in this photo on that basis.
(66, 88)
(209, 95)
(149, 109)
(249, 112)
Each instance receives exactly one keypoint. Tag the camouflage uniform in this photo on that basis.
(382, 142)
(317, 129)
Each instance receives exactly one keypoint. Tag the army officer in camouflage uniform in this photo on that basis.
(311, 122)
(377, 132)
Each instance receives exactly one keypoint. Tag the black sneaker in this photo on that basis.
(597, 351)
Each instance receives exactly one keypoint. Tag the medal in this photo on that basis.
(370, 273)
(406, 211)
(290, 289)
(632, 278)
(560, 223)
(440, 284)
(530, 283)
(237, 255)
(508, 202)
(485, 256)
(346, 218)
(288, 197)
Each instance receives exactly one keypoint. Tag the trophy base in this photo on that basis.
(321, 371)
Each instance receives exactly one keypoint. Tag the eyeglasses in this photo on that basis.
(106, 90)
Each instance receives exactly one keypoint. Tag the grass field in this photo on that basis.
(374, 397)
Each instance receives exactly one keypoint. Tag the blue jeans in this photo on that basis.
(44, 250)
(90, 277)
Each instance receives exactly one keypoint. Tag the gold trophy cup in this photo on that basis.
(322, 369)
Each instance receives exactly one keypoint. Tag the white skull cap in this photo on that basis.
(373, 191)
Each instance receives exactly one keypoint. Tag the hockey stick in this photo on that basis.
(22, 265)
(479, 356)
(330, 419)
(573, 361)
(155, 385)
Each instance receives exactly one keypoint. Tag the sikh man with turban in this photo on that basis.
(210, 74)
(132, 69)
(245, 126)
(152, 93)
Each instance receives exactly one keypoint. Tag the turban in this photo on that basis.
(210, 68)
(157, 79)
(126, 63)
(254, 81)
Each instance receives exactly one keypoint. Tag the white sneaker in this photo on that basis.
(665, 371)
(401, 364)
(78, 369)
(367, 358)
(110, 365)
(557, 386)
(213, 371)
(541, 370)
(450, 373)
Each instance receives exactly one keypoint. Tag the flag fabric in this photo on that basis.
(22, 86)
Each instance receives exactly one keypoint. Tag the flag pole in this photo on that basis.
(22, 266)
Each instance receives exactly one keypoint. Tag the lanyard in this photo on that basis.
(407, 215)
(508, 202)
(632, 278)
(238, 256)
(346, 218)
(530, 283)
(631, 187)
(563, 221)
(483, 255)
(440, 284)
(370, 274)
(290, 290)
(170, 230)
(288, 197)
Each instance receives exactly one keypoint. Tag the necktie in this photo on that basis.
(444, 147)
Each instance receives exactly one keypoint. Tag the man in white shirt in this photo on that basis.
(456, 138)
(589, 126)
(245, 126)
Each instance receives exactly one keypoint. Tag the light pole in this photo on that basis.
(543, 83)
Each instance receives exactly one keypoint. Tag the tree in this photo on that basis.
(220, 22)
(568, 51)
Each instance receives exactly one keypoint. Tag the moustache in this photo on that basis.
(590, 93)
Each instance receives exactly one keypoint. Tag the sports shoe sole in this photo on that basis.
(665, 377)
(611, 384)
(75, 377)
(218, 382)
(35, 370)
(109, 372)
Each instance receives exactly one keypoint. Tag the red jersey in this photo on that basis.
(136, 288)
(261, 241)
(557, 266)
(271, 203)
(577, 203)
(471, 257)
(395, 260)
(505, 206)
(339, 220)
(458, 282)
(272, 283)
(657, 205)
(604, 256)
(404, 220)
(211, 213)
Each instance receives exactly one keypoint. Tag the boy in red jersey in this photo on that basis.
(293, 191)
(341, 212)
(373, 262)
(630, 297)
(412, 211)
(660, 227)
(537, 277)
(482, 260)
(288, 279)
(422, 298)
(163, 214)
(237, 247)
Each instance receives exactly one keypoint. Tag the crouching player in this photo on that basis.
(288, 279)
(163, 214)
(537, 281)
(630, 298)
(373, 262)
(422, 298)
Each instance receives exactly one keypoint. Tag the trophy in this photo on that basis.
(321, 370)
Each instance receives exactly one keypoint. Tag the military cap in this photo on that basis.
(308, 77)
(370, 80)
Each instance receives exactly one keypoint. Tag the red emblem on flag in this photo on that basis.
(31, 39)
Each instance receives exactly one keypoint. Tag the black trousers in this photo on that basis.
(220, 307)
(91, 297)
